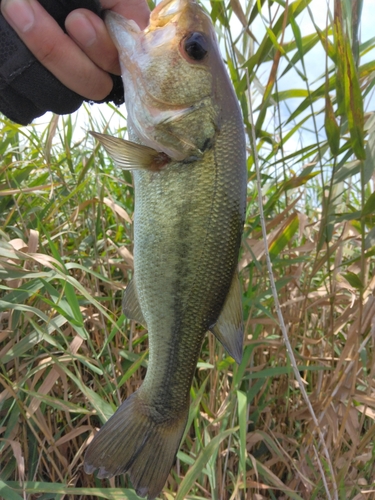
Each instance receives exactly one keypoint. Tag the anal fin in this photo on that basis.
(130, 304)
(229, 327)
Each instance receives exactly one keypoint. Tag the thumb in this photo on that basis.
(137, 10)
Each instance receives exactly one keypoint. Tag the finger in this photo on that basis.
(137, 10)
(55, 49)
(90, 33)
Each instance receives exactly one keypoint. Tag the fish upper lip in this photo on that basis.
(110, 16)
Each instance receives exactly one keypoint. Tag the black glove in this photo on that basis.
(27, 88)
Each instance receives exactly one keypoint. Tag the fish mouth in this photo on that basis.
(167, 10)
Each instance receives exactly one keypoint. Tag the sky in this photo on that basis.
(315, 62)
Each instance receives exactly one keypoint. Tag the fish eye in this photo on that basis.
(196, 46)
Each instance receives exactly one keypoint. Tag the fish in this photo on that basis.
(187, 153)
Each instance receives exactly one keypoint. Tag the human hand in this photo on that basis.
(80, 59)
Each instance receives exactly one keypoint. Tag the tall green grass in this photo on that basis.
(68, 356)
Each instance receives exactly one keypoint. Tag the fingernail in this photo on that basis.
(19, 13)
(81, 29)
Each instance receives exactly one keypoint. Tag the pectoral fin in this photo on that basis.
(229, 327)
(130, 155)
(130, 304)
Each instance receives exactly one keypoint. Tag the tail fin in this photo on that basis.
(137, 439)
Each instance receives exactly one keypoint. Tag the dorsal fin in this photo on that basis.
(229, 327)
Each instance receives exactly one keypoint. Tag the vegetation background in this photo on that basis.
(68, 356)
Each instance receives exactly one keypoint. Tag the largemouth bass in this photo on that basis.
(188, 157)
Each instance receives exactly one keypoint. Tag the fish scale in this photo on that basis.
(209, 181)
